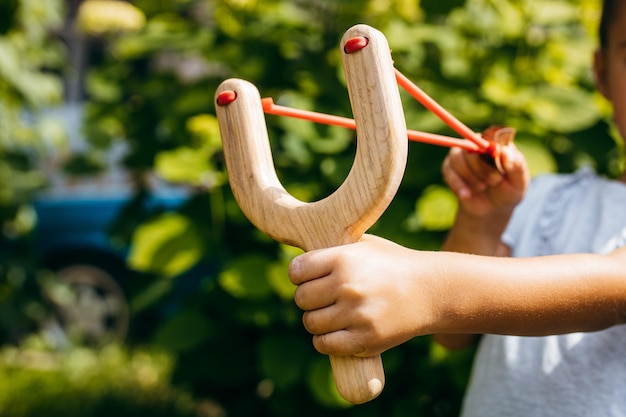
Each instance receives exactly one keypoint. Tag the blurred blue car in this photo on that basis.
(72, 239)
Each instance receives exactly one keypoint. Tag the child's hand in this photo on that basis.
(481, 189)
(363, 298)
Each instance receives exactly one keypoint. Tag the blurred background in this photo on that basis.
(131, 283)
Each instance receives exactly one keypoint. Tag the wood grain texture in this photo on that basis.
(346, 214)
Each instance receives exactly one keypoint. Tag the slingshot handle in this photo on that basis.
(345, 215)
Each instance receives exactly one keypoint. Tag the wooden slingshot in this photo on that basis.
(346, 214)
(371, 184)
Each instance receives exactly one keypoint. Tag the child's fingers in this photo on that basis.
(455, 182)
(325, 320)
(460, 167)
(309, 266)
(515, 167)
(316, 293)
(486, 173)
(339, 343)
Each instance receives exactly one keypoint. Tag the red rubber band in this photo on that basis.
(440, 112)
(473, 142)
(270, 108)
(494, 150)
(355, 44)
(226, 97)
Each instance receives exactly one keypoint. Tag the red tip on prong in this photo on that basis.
(355, 44)
(226, 97)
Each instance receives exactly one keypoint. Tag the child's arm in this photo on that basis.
(364, 298)
(486, 202)
(486, 198)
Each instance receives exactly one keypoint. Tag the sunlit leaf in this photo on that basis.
(512, 14)
(436, 208)
(167, 245)
(498, 85)
(336, 141)
(277, 276)
(562, 109)
(278, 272)
(103, 16)
(187, 165)
(539, 160)
(246, 277)
(36, 18)
(37, 87)
(206, 127)
(551, 12)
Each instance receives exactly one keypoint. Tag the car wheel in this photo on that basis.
(90, 307)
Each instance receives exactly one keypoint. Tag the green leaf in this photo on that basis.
(246, 277)
(97, 17)
(277, 276)
(187, 165)
(539, 160)
(337, 141)
(562, 109)
(436, 208)
(553, 12)
(150, 295)
(102, 88)
(512, 14)
(167, 245)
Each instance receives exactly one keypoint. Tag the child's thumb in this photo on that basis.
(515, 167)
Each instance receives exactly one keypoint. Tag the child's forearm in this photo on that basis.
(479, 236)
(532, 296)
(476, 235)
(364, 298)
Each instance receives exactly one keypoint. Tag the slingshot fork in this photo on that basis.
(345, 215)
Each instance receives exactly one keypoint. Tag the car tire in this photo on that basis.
(89, 306)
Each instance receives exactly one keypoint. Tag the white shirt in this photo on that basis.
(579, 374)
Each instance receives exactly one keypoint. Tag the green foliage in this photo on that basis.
(26, 53)
(239, 338)
(85, 383)
(29, 82)
(235, 331)
(167, 245)
(436, 208)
